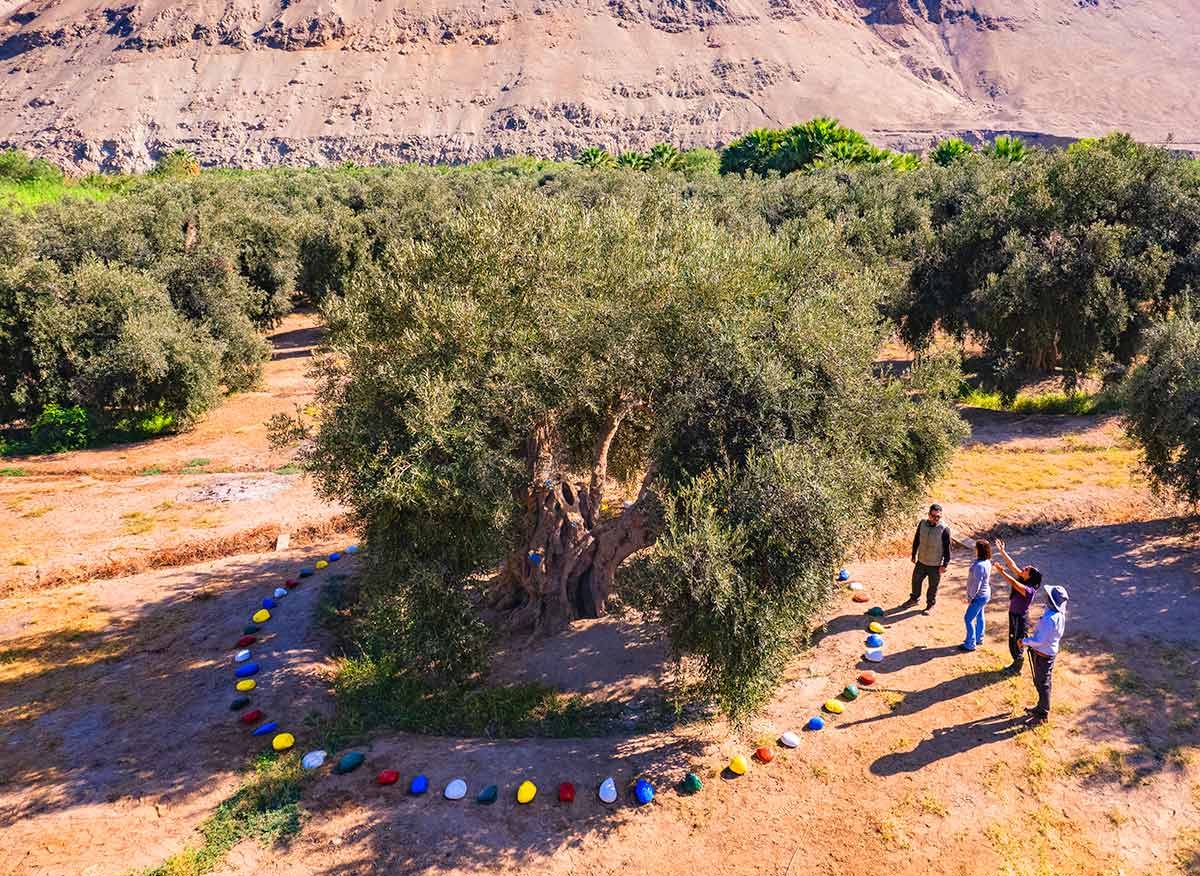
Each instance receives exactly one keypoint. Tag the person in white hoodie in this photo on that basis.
(1042, 648)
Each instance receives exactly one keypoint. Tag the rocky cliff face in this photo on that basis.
(256, 82)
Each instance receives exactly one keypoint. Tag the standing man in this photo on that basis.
(931, 556)
(1043, 649)
(1024, 583)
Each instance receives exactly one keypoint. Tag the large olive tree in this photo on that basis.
(531, 390)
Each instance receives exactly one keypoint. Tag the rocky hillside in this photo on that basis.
(255, 82)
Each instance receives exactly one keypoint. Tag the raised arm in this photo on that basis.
(1007, 559)
(1020, 588)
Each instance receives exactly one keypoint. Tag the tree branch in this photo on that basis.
(603, 444)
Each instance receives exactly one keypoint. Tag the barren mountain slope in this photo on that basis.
(297, 81)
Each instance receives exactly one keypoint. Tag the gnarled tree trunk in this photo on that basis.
(566, 564)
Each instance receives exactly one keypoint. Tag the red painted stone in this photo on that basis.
(251, 716)
(291, 583)
(867, 677)
(388, 777)
(566, 793)
(765, 754)
(246, 641)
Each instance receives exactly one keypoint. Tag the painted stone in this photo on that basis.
(738, 765)
(816, 722)
(306, 572)
(419, 784)
(764, 754)
(875, 627)
(239, 703)
(261, 616)
(313, 759)
(387, 777)
(526, 791)
(333, 558)
(692, 783)
(843, 575)
(269, 727)
(790, 739)
(456, 790)
(874, 655)
(866, 677)
(535, 558)
(566, 793)
(349, 762)
(488, 795)
(834, 707)
(874, 641)
(246, 684)
(283, 741)
(861, 597)
(268, 602)
(857, 585)
(644, 792)
(875, 611)
(246, 641)
(242, 656)
(321, 564)
(250, 629)
(608, 791)
(291, 583)
(353, 549)
(851, 692)
(245, 671)
(280, 592)
(251, 717)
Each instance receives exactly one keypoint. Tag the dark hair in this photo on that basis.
(1035, 577)
(983, 550)
(935, 507)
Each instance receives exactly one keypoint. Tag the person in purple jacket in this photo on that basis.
(1024, 583)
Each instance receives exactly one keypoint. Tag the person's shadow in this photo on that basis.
(949, 741)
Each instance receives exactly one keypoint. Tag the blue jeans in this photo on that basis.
(974, 621)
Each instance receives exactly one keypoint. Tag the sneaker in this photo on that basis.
(1036, 720)
(925, 611)
(908, 603)
(966, 647)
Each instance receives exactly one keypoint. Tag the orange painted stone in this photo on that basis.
(860, 596)
(867, 677)
(765, 754)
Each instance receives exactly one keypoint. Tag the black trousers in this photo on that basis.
(1043, 670)
(920, 573)
(1018, 629)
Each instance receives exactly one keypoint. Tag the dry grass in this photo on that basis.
(1005, 477)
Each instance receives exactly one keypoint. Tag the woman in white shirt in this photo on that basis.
(979, 591)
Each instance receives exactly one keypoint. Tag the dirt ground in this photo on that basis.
(116, 738)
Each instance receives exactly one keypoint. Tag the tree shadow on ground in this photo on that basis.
(951, 688)
(989, 428)
(949, 742)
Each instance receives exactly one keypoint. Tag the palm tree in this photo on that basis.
(805, 144)
(664, 155)
(904, 161)
(950, 150)
(752, 152)
(594, 157)
(1008, 148)
(633, 160)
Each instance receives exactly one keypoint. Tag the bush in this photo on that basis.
(177, 162)
(1162, 407)
(58, 429)
(15, 165)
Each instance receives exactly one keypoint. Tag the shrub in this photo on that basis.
(177, 162)
(58, 429)
(15, 165)
(1162, 407)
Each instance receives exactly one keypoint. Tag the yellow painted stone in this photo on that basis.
(246, 684)
(321, 564)
(526, 792)
(875, 627)
(261, 616)
(283, 741)
(834, 706)
(738, 765)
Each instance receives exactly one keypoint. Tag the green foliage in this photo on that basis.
(1162, 406)
(755, 355)
(751, 153)
(18, 167)
(820, 142)
(633, 161)
(1007, 149)
(1074, 403)
(58, 429)
(594, 157)
(665, 156)
(177, 162)
(952, 149)
(699, 162)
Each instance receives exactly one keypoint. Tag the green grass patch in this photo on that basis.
(1075, 403)
(290, 469)
(265, 808)
(33, 193)
(151, 470)
(196, 463)
(13, 472)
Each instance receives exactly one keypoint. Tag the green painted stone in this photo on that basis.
(692, 783)
(851, 692)
(488, 794)
(875, 612)
(250, 629)
(350, 762)
(239, 703)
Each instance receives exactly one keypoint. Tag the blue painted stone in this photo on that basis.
(269, 727)
(250, 629)
(419, 784)
(333, 558)
(350, 762)
(815, 723)
(306, 572)
(239, 703)
(874, 641)
(353, 549)
(268, 602)
(535, 558)
(245, 671)
(843, 575)
(488, 795)
(644, 791)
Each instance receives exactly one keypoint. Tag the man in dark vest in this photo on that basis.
(930, 555)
